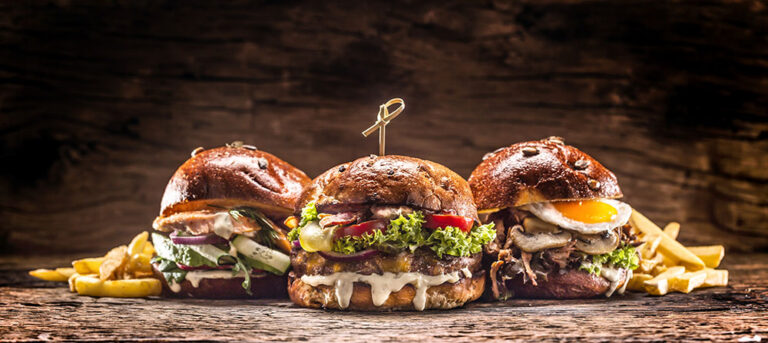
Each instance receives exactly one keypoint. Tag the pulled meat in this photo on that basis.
(509, 262)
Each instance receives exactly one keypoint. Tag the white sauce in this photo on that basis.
(175, 287)
(614, 276)
(466, 272)
(222, 225)
(194, 277)
(381, 285)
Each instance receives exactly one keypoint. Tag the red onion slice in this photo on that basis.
(358, 256)
(296, 244)
(210, 238)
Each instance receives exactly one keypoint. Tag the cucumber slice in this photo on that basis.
(273, 258)
(212, 253)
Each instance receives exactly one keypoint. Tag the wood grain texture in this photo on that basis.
(101, 101)
(32, 310)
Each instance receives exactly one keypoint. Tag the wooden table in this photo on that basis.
(34, 310)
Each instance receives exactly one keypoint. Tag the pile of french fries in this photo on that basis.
(668, 266)
(124, 272)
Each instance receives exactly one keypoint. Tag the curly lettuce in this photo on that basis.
(407, 233)
(624, 257)
(308, 214)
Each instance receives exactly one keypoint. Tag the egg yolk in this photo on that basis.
(586, 211)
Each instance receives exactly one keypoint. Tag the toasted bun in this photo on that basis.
(268, 286)
(444, 296)
(536, 171)
(392, 180)
(237, 176)
(573, 284)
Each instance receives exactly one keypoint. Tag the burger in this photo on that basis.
(219, 232)
(385, 233)
(560, 232)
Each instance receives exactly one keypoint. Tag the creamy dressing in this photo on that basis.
(381, 285)
(466, 272)
(222, 225)
(194, 277)
(614, 276)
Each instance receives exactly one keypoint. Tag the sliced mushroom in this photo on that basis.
(598, 244)
(533, 242)
(535, 225)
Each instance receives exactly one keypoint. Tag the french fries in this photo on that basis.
(668, 266)
(711, 254)
(136, 288)
(668, 246)
(659, 285)
(87, 265)
(124, 272)
(48, 275)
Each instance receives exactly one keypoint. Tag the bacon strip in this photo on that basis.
(342, 218)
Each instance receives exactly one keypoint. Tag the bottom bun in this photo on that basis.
(573, 284)
(444, 296)
(267, 286)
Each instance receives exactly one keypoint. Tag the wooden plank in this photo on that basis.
(102, 101)
(717, 314)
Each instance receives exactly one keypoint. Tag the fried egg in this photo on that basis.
(583, 216)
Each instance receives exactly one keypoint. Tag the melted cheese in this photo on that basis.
(381, 285)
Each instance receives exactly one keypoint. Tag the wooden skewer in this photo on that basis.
(382, 119)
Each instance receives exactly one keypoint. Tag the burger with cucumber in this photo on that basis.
(220, 233)
(561, 233)
(386, 233)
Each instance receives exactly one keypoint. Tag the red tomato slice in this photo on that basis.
(362, 228)
(434, 221)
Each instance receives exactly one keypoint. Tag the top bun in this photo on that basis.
(234, 176)
(391, 180)
(536, 171)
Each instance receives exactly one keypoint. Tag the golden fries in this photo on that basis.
(48, 275)
(710, 254)
(87, 265)
(715, 278)
(659, 285)
(124, 271)
(668, 246)
(136, 288)
(637, 281)
(672, 230)
(686, 282)
(668, 266)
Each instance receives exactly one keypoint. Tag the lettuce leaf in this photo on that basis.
(406, 233)
(623, 257)
(452, 241)
(179, 253)
(170, 269)
(308, 214)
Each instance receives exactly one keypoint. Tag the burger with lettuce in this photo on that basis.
(220, 233)
(387, 233)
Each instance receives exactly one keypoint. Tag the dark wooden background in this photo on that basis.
(100, 101)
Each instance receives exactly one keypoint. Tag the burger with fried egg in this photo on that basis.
(219, 232)
(385, 233)
(561, 232)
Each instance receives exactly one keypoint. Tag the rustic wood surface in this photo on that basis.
(100, 101)
(35, 310)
